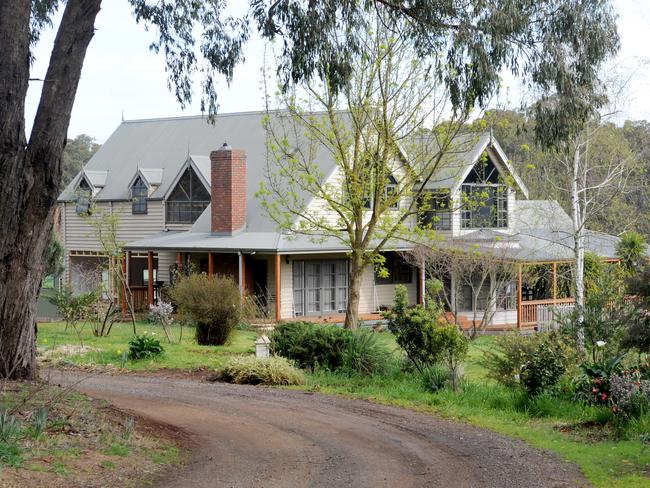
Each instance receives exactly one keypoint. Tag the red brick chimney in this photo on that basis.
(228, 190)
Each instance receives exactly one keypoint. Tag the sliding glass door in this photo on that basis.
(320, 287)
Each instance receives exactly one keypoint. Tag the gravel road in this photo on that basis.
(243, 436)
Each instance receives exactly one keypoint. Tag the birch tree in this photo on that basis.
(595, 171)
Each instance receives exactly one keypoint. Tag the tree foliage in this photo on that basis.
(76, 154)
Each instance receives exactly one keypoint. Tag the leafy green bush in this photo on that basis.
(535, 362)
(414, 328)
(550, 360)
(311, 345)
(364, 353)
(214, 303)
(145, 347)
(260, 371)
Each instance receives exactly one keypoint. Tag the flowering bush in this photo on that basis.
(630, 393)
(593, 386)
(161, 314)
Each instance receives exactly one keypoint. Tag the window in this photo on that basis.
(437, 212)
(188, 200)
(84, 194)
(391, 193)
(485, 197)
(506, 296)
(399, 270)
(139, 193)
(484, 206)
(320, 287)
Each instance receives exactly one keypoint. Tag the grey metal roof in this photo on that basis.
(540, 214)
(167, 144)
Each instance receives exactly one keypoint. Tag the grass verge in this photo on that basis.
(59, 438)
(58, 346)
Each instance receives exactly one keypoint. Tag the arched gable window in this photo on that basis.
(83, 194)
(485, 197)
(139, 193)
(188, 199)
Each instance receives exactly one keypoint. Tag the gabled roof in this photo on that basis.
(97, 179)
(464, 153)
(167, 144)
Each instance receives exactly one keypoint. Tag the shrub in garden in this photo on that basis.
(213, 303)
(413, 328)
(593, 385)
(161, 314)
(364, 353)
(260, 371)
(145, 347)
(550, 360)
(311, 345)
(535, 362)
(630, 394)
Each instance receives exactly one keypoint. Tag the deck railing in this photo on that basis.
(534, 311)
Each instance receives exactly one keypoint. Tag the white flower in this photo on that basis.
(600, 343)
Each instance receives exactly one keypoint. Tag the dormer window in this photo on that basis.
(84, 194)
(188, 199)
(139, 193)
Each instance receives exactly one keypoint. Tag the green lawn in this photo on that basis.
(579, 434)
(109, 350)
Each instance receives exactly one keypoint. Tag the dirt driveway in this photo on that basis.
(258, 437)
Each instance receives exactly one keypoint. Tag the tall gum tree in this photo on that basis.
(554, 45)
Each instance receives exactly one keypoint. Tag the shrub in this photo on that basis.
(311, 345)
(161, 314)
(593, 385)
(212, 302)
(549, 361)
(260, 371)
(364, 353)
(536, 362)
(504, 363)
(145, 347)
(630, 394)
(413, 328)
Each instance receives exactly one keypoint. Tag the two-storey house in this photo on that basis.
(187, 200)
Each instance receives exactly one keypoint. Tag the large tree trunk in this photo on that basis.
(354, 291)
(31, 172)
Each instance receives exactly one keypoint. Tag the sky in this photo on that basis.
(122, 78)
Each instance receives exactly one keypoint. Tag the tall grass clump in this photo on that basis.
(250, 370)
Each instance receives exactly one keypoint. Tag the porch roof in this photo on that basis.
(536, 245)
(271, 242)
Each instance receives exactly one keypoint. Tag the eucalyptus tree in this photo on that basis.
(556, 45)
